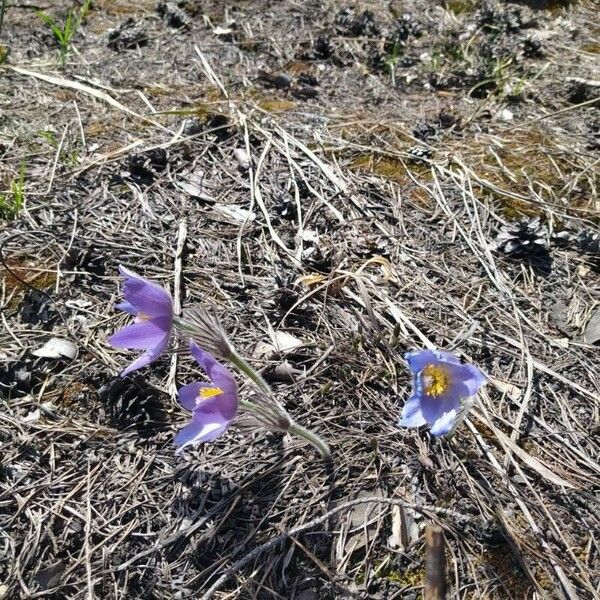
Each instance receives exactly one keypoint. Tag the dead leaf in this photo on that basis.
(311, 279)
(592, 330)
(264, 350)
(405, 530)
(533, 463)
(57, 348)
(285, 342)
(512, 391)
(233, 213)
(361, 521)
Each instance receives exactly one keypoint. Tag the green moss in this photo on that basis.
(528, 160)
(515, 209)
(4, 52)
(275, 105)
(591, 47)
(508, 570)
(384, 166)
(28, 271)
(410, 578)
(459, 7)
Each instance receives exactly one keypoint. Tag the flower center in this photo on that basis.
(209, 392)
(436, 380)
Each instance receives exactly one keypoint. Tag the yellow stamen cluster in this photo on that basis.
(436, 380)
(209, 392)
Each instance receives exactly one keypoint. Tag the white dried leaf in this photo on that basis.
(57, 348)
(561, 342)
(405, 530)
(78, 303)
(191, 189)
(33, 416)
(264, 350)
(512, 391)
(234, 213)
(310, 235)
(592, 331)
(285, 342)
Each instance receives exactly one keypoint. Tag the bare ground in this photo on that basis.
(340, 172)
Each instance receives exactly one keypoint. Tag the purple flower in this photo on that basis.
(153, 310)
(213, 405)
(440, 382)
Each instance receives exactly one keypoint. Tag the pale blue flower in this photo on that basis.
(440, 383)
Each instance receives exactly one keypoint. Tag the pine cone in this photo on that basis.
(128, 35)
(323, 48)
(405, 27)
(589, 241)
(173, 15)
(525, 238)
(366, 25)
(584, 241)
(133, 404)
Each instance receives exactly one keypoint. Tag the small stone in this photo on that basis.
(242, 157)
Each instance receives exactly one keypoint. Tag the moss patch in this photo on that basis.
(390, 168)
(459, 7)
(508, 571)
(276, 106)
(412, 577)
(35, 275)
(530, 164)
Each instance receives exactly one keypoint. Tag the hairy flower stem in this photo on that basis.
(292, 428)
(183, 325)
(249, 371)
(311, 437)
(269, 415)
(275, 415)
(228, 354)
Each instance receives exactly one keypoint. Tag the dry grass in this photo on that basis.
(357, 248)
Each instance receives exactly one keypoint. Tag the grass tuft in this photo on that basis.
(64, 33)
(12, 203)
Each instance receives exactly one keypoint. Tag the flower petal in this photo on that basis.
(127, 307)
(444, 424)
(147, 357)
(188, 394)
(208, 423)
(433, 407)
(467, 378)
(144, 335)
(411, 413)
(216, 372)
(149, 298)
(419, 359)
(141, 361)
